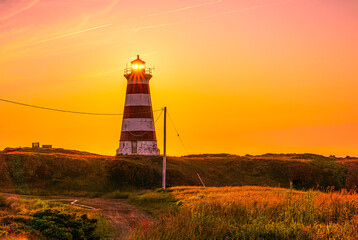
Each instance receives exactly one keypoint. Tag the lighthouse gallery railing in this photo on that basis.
(129, 70)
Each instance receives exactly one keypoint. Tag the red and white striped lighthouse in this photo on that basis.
(138, 132)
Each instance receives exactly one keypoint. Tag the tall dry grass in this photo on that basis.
(256, 213)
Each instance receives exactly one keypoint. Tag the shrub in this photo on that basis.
(3, 202)
(57, 225)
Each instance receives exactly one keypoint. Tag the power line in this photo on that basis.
(65, 111)
(176, 130)
(140, 135)
(158, 116)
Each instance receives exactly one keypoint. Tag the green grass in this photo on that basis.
(190, 212)
(67, 172)
(117, 195)
(154, 202)
(17, 174)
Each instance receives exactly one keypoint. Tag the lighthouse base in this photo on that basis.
(138, 148)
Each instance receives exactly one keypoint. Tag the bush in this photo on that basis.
(56, 225)
(3, 202)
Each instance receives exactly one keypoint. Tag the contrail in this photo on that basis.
(19, 10)
(74, 33)
(153, 26)
(211, 16)
(251, 8)
(111, 6)
(180, 9)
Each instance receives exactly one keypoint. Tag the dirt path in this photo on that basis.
(119, 213)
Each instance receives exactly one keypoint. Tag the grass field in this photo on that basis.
(248, 213)
(69, 172)
(268, 205)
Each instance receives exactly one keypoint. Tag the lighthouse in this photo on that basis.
(138, 132)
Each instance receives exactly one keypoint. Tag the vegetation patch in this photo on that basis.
(56, 225)
(154, 202)
(39, 219)
(17, 174)
(68, 172)
(254, 213)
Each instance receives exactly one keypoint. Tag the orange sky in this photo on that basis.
(248, 76)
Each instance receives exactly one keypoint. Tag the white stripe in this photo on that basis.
(138, 100)
(143, 148)
(137, 124)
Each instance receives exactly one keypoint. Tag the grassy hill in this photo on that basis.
(59, 171)
(249, 213)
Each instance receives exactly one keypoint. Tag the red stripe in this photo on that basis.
(138, 136)
(138, 88)
(139, 76)
(138, 112)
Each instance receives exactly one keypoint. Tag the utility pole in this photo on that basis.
(165, 147)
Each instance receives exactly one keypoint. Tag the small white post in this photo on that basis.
(201, 180)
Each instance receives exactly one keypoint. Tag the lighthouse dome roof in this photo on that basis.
(138, 61)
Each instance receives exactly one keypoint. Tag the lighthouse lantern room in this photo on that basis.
(138, 132)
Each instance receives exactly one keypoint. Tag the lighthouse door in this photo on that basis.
(134, 146)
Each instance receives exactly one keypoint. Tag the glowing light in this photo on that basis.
(136, 66)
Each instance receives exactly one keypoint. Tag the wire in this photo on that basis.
(158, 116)
(65, 111)
(171, 120)
(140, 135)
(54, 109)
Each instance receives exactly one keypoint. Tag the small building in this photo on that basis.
(46, 146)
(35, 145)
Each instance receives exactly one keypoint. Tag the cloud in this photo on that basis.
(181, 9)
(74, 33)
(5, 25)
(211, 16)
(251, 8)
(19, 10)
(110, 6)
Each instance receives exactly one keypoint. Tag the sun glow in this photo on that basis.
(285, 88)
